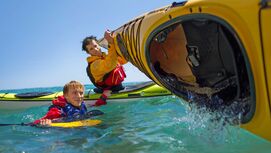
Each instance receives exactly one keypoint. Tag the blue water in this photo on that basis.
(159, 125)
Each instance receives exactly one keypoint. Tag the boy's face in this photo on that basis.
(75, 96)
(93, 48)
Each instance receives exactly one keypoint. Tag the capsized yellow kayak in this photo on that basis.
(207, 48)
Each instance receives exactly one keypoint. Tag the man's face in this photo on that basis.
(93, 48)
(75, 96)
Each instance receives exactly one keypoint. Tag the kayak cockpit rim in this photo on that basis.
(237, 77)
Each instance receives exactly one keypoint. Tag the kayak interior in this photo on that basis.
(202, 60)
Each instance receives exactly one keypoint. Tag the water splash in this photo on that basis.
(213, 121)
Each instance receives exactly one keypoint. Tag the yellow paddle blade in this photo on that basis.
(88, 122)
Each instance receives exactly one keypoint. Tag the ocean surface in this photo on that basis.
(158, 125)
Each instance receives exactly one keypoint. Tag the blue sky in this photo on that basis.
(41, 40)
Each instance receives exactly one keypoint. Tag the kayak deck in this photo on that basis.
(13, 101)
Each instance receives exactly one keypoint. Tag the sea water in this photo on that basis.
(158, 125)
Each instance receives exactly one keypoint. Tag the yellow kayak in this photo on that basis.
(74, 124)
(83, 120)
(16, 101)
(206, 49)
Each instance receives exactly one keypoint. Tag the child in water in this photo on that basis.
(70, 104)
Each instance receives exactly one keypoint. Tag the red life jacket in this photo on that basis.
(54, 110)
(113, 78)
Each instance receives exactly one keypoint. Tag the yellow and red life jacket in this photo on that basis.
(111, 79)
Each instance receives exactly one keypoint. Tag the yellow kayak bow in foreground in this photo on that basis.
(207, 49)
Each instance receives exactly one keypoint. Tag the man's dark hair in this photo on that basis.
(86, 41)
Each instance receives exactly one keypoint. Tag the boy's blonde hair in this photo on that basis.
(72, 84)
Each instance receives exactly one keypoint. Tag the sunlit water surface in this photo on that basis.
(159, 125)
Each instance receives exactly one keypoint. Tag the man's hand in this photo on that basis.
(103, 97)
(108, 36)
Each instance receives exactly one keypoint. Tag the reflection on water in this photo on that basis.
(157, 125)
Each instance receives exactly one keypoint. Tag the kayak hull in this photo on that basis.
(207, 49)
(9, 101)
(76, 124)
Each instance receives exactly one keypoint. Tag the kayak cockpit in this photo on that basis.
(203, 58)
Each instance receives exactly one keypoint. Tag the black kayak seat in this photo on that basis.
(114, 89)
(32, 94)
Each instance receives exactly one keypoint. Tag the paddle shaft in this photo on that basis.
(21, 124)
